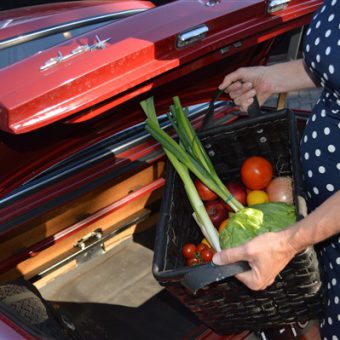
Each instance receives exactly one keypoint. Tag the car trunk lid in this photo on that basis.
(86, 75)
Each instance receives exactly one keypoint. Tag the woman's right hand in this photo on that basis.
(246, 82)
(266, 254)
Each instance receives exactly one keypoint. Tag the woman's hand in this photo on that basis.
(266, 254)
(246, 82)
(263, 81)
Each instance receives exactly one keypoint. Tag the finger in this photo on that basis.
(228, 256)
(240, 89)
(245, 104)
(236, 94)
(247, 86)
(255, 280)
(234, 86)
(250, 281)
(245, 100)
(231, 78)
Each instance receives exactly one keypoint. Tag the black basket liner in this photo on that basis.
(229, 306)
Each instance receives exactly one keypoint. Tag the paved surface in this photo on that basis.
(302, 100)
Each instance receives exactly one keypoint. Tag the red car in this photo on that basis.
(79, 173)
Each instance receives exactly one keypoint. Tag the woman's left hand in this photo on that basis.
(266, 254)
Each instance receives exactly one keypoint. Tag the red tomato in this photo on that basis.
(216, 211)
(256, 172)
(201, 246)
(207, 255)
(193, 261)
(238, 191)
(189, 250)
(204, 192)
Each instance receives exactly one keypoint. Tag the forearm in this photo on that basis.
(289, 76)
(319, 225)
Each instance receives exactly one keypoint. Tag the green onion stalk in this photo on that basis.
(189, 155)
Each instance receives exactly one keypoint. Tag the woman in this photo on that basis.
(269, 253)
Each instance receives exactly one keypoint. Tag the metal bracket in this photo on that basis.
(89, 246)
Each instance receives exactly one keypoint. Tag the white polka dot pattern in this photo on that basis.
(320, 145)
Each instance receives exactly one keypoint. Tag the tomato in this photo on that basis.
(238, 191)
(189, 250)
(216, 211)
(193, 261)
(256, 172)
(201, 246)
(204, 192)
(257, 197)
(207, 255)
(223, 226)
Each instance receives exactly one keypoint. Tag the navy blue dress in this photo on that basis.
(320, 145)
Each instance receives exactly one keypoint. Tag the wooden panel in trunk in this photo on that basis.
(68, 214)
(105, 201)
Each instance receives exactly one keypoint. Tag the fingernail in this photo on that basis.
(217, 259)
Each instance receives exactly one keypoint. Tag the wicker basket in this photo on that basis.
(229, 306)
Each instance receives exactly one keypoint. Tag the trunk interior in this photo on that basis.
(116, 296)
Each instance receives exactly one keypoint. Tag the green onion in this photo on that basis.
(189, 155)
(200, 214)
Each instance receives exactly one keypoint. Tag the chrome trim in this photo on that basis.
(277, 5)
(190, 36)
(99, 45)
(67, 26)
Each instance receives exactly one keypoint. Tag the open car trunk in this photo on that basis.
(115, 296)
(81, 180)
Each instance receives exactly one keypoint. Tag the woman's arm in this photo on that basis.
(269, 253)
(319, 225)
(263, 81)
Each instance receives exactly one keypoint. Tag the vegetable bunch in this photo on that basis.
(188, 155)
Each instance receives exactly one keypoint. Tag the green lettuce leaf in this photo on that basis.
(255, 220)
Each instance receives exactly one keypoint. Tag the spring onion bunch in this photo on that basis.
(188, 155)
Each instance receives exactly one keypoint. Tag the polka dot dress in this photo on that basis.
(320, 145)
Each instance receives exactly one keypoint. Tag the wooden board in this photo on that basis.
(68, 214)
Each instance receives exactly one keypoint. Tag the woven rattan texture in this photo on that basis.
(228, 306)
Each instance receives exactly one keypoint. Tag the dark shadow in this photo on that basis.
(161, 317)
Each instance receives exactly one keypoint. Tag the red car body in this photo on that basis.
(62, 105)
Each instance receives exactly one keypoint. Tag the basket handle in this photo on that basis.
(203, 275)
(254, 110)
